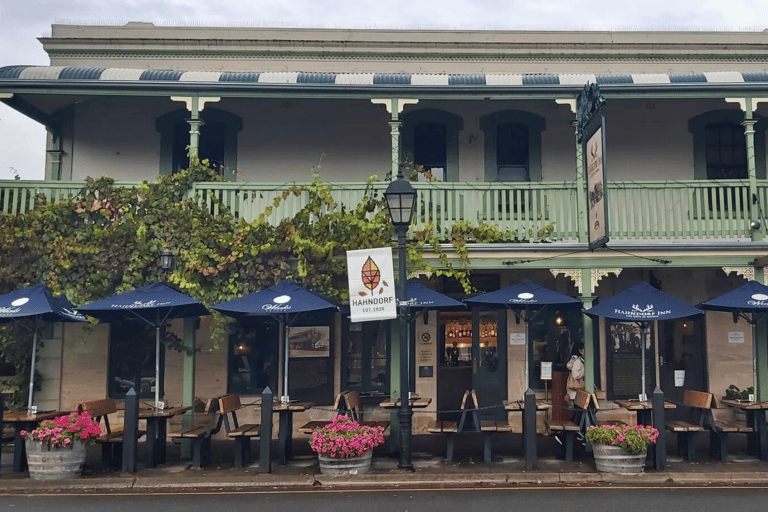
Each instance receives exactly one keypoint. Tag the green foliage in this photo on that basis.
(632, 439)
(105, 240)
(734, 393)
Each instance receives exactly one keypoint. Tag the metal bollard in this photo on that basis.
(131, 427)
(529, 430)
(660, 449)
(265, 432)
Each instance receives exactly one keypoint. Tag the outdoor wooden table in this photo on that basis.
(416, 403)
(23, 421)
(519, 405)
(285, 422)
(756, 419)
(157, 423)
(643, 409)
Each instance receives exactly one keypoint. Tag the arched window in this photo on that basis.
(430, 138)
(719, 145)
(512, 145)
(218, 140)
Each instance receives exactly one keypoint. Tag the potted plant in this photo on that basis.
(56, 448)
(344, 446)
(621, 448)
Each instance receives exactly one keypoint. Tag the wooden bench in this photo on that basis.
(111, 438)
(583, 412)
(469, 423)
(241, 434)
(698, 404)
(200, 434)
(719, 430)
(339, 405)
(353, 408)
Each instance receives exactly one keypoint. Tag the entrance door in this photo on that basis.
(682, 347)
(471, 356)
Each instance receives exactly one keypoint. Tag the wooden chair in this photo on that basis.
(241, 434)
(200, 434)
(111, 438)
(719, 432)
(698, 403)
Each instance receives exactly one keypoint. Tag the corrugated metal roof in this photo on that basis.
(419, 79)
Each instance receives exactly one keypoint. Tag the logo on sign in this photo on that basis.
(524, 298)
(646, 312)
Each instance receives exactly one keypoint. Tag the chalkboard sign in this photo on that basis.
(625, 361)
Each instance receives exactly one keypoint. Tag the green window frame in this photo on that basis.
(169, 126)
(452, 124)
(697, 126)
(490, 125)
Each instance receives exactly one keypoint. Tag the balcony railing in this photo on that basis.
(638, 210)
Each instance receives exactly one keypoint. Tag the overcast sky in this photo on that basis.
(22, 142)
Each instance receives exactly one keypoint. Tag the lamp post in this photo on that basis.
(166, 261)
(401, 199)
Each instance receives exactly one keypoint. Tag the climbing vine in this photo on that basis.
(105, 240)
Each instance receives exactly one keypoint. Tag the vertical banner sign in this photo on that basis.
(596, 205)
(372, 291)
(591, 135)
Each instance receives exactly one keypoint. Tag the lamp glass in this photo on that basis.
(401, 198)
(166, 261)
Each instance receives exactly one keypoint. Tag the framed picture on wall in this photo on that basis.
(313, 341)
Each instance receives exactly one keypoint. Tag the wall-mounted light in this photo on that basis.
(559, 319)
(755, 225)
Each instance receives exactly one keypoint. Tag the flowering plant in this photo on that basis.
(345, 437)
(633, 440)
(61, 431)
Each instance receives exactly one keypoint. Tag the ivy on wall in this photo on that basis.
(105, 240)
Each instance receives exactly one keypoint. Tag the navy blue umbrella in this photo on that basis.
(286, 302)
(419, 297)
(749, 301)
(643, 304)
(154, 304)
(39, 303)
(526, 299)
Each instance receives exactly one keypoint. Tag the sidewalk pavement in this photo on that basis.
(430, 470)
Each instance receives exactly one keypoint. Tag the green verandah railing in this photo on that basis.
(638, 210)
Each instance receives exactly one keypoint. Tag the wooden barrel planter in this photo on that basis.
(348, 466)
(612, 459)
(52, 463)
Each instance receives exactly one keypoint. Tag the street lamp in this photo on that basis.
(401, 199)
(166, 261)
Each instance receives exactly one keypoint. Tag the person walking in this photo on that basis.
(578, 371)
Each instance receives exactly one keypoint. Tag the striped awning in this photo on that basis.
(81, 74)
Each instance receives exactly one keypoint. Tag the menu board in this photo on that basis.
(311, 379)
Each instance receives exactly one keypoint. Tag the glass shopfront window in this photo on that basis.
(552, 333)
(132, 359)
(253, 356)
(365, 357)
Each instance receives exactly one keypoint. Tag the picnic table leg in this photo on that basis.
(449, 448)
(19, 449)
(161, 434)
(487, 447)
(152, 455)
(761, 434)
(282, 437)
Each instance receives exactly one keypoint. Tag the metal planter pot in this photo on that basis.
(332, 466)
(51, 463)
(612, 459)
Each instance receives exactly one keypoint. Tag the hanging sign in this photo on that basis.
(372, 288)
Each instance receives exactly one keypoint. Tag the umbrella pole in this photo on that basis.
(642, 365)
(285, 361)
(754, 355)
(157, 366)
(32, 370)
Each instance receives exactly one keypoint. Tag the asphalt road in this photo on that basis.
(571, 499)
